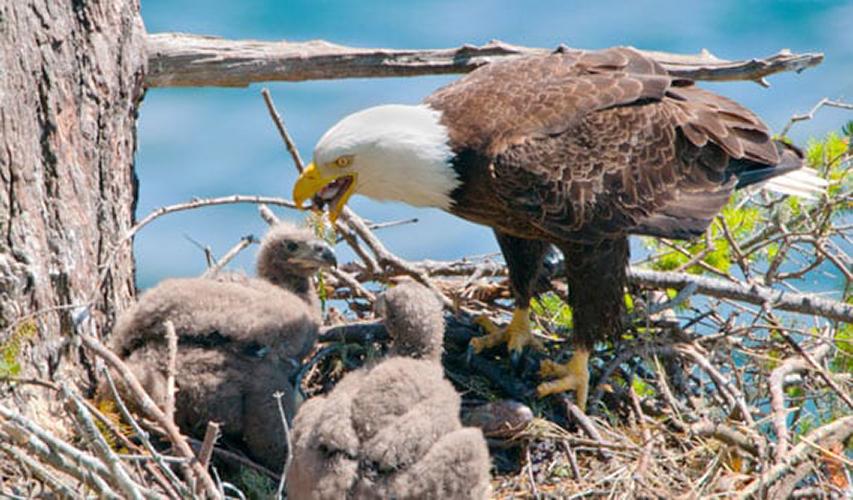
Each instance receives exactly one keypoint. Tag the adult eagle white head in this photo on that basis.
(576, 149)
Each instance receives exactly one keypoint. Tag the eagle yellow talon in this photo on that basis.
(517, 335)
(572, 376)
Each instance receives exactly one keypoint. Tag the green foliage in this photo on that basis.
(642, 388)
(827, 156)
(110, 410)
(843, 360)
(325, 232)
(255, 485)
(552, 308)
(10, 350)
(847, 129)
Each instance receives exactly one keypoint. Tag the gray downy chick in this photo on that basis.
(391, 430)
(239, 341)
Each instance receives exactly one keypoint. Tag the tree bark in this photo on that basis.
(71, 81)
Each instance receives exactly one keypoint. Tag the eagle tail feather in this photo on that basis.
(789, 176)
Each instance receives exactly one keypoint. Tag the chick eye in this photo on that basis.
(292, 246)
(343, 161)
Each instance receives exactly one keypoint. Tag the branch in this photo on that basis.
(752, 294)
(171, 368)
(836, 431)
(151, 409)
(808, 116)
(726, 434)
(185, 60)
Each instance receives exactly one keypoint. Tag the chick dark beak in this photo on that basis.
(327, 256)
(315, 255)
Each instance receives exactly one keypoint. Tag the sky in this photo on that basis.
(207, 142)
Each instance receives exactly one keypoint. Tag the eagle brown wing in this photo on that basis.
(594, 145)
(507, 103)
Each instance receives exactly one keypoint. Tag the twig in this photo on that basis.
(808, 116)
(530, 477)
(45, 476)
(82, 466)
(171, 368)
(148, 407)
(267, 215)
(288, 444)
(838, 430)
(582, 419)
(143, 436)
(749, 293)
(387, 258)
(776, 382)
(282, 130)
(648, 442)
(726, 434)
(235, 459)
(106, 266)
(812, 360)
(211, 435)
(118, 473)
(241, 245)
(730, 392)
(183, 60)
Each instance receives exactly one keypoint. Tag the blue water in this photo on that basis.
(212, 142)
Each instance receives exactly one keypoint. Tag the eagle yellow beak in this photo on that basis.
(312, 180)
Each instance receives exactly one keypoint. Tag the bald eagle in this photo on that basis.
(576, 149)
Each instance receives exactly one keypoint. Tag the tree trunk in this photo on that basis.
(71, 80)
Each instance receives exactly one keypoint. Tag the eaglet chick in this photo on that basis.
(391, 430)
(239, 341)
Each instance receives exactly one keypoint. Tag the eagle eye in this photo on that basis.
(291, 246)
(343, 161)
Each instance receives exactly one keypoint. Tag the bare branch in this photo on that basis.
(211, 435)
(808, 116)
(171, 368)
(148, 407)
(282, 130)
(241, 245)
(288, 443)
(750, 293)
(726, 434)
(185, 60)
(833, 432)
(118, 473)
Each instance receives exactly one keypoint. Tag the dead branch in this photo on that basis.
(753, 294)
(833, 432)
(220, 264)
(776, 382)
(171, 368)
(750, 293)
(288, 444)
(118, 473)
(211, 435)
(143, 437)
(149, 408)
(54, 451)
(38, 470)
(808, 116)
(186, 60)
(726, 434)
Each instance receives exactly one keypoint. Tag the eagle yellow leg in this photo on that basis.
(516, 335)
(573, 375)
